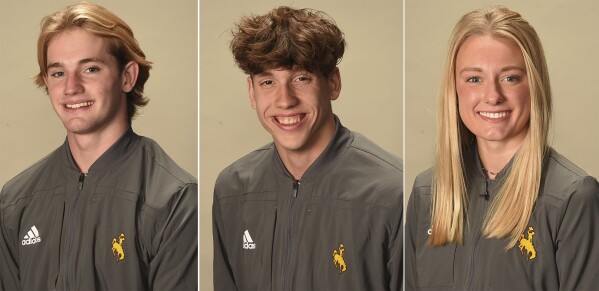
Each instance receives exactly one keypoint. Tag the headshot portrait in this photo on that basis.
(502, 171)
(369, 103)
(99, 162)
(169, 42)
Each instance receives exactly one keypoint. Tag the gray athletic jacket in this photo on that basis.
(558, 251)
(129, 224)
(338, 228)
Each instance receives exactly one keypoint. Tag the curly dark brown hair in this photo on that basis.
(286, 38)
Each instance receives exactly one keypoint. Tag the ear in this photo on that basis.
(335, 83)
(129, 76)
(251, 91)
(46, 83)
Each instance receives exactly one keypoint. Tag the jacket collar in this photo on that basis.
(477, 176)
(341, 139)
(108, 158)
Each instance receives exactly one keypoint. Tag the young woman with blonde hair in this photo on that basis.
(500, 209)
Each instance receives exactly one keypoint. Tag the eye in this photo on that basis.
(266, 83)
(512, 78)
(57, 74)
(92, 70)
(473, 79)
(303, 79)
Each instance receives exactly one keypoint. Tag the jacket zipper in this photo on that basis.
(73, 231)
(287, 266)
(478, 236)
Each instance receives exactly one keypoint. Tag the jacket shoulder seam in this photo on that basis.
(376, 156)
(154, 160)
(567, 167)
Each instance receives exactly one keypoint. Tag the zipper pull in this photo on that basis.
(486, 190)
(295, 188)
(80, 184)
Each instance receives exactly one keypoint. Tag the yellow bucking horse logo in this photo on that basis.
(338, 260)
(117, 248)
(526, 245)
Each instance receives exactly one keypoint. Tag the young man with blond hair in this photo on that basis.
(107, 210)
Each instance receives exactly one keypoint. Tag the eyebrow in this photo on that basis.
(263, 74)
(81, 62)
(504, 69)
(512, 68)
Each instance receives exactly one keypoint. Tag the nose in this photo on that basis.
(493, 93)
(286, 97)
(73, 85)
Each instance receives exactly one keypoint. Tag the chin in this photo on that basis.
(496, 137)
(78, 128)
(289, 145)
(490, 137)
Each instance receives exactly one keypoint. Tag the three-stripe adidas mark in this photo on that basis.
(32, 237)
(248, 243)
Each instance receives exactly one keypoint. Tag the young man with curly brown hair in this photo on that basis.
(319, 208)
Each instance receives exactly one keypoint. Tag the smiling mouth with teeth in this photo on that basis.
(79, 105)
(494, 114)
(289, 120)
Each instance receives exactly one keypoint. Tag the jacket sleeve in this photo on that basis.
(410, 243)
(9, 270)
(223, 273)
(175, 264)
(578, 233)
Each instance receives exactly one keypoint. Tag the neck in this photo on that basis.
(298, 161)
(495, 155)
(87, 148)
(297, 164)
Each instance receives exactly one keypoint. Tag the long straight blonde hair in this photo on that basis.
(511, 209)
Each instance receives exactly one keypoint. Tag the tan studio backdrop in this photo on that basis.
(370, 100)
(568, 32)
(168, 35)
